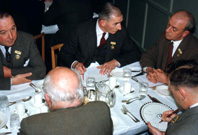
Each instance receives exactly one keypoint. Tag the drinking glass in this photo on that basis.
(4, 104)
(14, 121)
(90, 83)
(126, 74)
(143, 88)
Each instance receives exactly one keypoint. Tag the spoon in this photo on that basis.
(139, 98)
(24, 100)
(37, 90)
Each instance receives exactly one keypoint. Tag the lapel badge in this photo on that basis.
(177, 55)
(17, 52)
(17, 56)
(180, 51)
(113, 43)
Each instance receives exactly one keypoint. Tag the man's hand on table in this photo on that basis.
(161, 76)
(153, 130)
(79, 67)
(21, 78)
(108, 67)
(156, 75)
(151, 75)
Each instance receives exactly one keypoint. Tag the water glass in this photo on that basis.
(126, 74)
(4, 104)
(90, 83)
(112, 82)
(143, 88)
(14, 121)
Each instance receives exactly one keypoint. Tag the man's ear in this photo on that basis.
(185, 33)
(48, 100)
(183, 93)
(102, 23)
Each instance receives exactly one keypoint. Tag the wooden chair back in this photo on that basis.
(42, 36)
(54, 55)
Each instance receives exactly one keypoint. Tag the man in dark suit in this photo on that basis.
(20, 60)
(66, 14)
(183, 83)
(64, 97)
(102, 40)
(179, 31)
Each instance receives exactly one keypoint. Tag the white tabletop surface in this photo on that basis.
(123, 123)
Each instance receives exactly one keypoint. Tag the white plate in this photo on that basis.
(115, 121)
(3, 119)
(152, 112)
(135, 68)
(117, 73)
(163, 89)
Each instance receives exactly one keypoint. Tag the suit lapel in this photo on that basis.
(91, 39)
(109, 47)
(179, 51)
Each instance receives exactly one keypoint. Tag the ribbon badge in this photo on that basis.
(18, 54)
(112, 45)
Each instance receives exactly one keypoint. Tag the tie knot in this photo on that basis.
(103, 34)
(6, 48)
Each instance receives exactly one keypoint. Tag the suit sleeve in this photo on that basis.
(149, 58)
(69, 50)
(4, 82)
(36, 65)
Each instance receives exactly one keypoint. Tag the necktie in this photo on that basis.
(169, 55)
(7, 54)
(102, 41)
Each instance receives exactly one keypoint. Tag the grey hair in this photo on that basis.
(108, 10)
(58, 94)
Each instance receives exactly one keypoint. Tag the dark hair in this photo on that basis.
(190, 26)
(4, 14)
(184, 73)
(108, 10)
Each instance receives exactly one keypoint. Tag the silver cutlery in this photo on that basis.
(126, 112)
(24, 100)
(5, 133)
(140, 97)
(37, 90)
(128, 93)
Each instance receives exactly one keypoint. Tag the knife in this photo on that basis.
(5, 133)
(154, 99)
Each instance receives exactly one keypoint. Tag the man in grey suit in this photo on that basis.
(102, 40)
(183, 83)
(184, 45)
(20, 60)
(64, 97)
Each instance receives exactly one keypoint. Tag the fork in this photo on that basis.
(126, 112)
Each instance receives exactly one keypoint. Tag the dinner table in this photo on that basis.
(123, 124)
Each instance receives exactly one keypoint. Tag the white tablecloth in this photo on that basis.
(124, 125)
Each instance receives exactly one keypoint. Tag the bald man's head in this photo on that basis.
(63, 85)
(185, 15)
